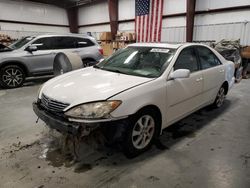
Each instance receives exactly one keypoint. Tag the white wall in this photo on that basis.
(126, 9)
(94, 13)
(230, 25)
(91, 14)
(24, 11)
(215, 4)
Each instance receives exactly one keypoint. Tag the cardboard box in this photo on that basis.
(106, 36)
(116, 45)
(122, 45)
(245, 52)
(107, 49)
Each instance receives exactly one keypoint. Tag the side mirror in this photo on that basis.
(31, 48)
(180, 73)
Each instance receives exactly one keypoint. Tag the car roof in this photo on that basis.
(164, 45)
(157, 45)
(61, 35)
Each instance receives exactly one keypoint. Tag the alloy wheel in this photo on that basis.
(220, 97)
(143, 132)
(13, 77)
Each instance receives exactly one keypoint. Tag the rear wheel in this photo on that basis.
(12, 76)
(220, 98)
(88, 62)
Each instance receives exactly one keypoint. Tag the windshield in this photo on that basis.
(139, 61)
(21, 42)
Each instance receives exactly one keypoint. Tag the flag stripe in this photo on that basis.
(136, 26)
(147, 30)
(149, 22)
(160, 25)
(152, 19)
(139, 29)
(143, 23)
(156, 22)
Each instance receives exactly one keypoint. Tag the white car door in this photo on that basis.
(41, 61)
(184, 95)
(213, 72)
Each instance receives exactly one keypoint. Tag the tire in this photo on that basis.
(12, 76)
(88, 62)
(140, 132)
(220, 98)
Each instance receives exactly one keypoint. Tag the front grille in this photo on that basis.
(52, 105)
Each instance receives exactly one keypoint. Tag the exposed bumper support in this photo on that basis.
(74, 127)
(56, 123)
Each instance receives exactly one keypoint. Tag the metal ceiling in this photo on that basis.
(65, 3)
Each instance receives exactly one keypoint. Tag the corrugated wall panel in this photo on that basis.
(239, 30)
(173, 34)
(26, 11)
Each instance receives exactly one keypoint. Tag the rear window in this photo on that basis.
(82, 42)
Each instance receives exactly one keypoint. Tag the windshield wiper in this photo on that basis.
(97, 67)
(111, 70)
(114, 70)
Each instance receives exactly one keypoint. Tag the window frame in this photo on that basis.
(61, 42)
(199, 58)
(35, 42)
(89, 43)
(196, 57)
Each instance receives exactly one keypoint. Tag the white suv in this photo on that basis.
(136, 92)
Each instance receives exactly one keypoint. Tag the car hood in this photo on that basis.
(88, 84)
(5, 52)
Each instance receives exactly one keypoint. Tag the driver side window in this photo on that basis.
(187, 60)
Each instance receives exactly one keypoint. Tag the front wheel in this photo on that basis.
(12, 76)
(140, 132)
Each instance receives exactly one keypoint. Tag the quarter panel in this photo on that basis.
(213, 80)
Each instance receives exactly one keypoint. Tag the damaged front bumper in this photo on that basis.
(72, 126)
(61, 124)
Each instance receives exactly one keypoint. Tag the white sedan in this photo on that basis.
(136, 93)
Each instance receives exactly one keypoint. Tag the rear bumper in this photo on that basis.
(57, 123)
(231, 82)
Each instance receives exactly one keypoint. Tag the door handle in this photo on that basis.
(222, 70)
(199, 79)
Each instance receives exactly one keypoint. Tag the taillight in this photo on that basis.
(101, 51)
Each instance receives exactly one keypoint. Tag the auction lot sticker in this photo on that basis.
(159, 50)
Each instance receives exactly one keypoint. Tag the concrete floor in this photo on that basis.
(210, 148)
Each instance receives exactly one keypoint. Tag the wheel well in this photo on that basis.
(22, 66)
(225, 85)
(89, 59)
(155, 109)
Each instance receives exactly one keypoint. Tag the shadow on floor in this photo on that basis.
(32, 81)
(106, 156)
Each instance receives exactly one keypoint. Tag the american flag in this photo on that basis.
(148, 20)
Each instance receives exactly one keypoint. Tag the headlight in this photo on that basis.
(39, 90)
(95, 110)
